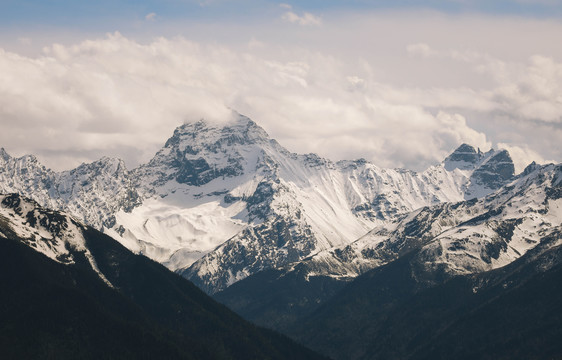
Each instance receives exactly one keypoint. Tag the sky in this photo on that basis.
(399, 83)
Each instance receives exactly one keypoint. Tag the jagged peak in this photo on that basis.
(495, 157)
(352, 163)
(531, 168)
(498, 155)
(239, 131)
(106, 164)
(29, 158)
(25, 158)
(4, 155)
(200, 151)
(466, 148)
(538, 170)
(113, 162)
(465, 157)
(238, 124)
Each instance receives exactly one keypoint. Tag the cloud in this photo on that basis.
(118, 95)
(531, 91)
(522, 155)
(420, 49)
(150, 17)
(306, 19)
(255, 44)
(404, 99)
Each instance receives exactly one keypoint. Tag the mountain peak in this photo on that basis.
(530, 168)
(4, 155)
(239, 130)
(464, 147)
(201, 151)
(52, 233)
(106, 165)
(198, 138)
(29, 158)
(499, 164)
(465, 157)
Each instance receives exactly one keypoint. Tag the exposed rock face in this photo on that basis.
(198, 153)
(488, 171)
(465, 157)
(495, 171)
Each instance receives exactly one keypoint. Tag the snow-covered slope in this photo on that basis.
(91, 192)
(223, 201)
(486, 172)
(471, 236)
(77, 292)
(54, 234)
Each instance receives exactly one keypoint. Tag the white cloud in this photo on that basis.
(127, 97)
(150, 17)
(531, 90)
(420, 49)
(255, 44)
(522, 156)
(348, 91)
(306, 19)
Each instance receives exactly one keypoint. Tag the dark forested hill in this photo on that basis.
(71, 292)
(400, 312)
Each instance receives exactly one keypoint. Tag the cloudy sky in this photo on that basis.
(400, 83)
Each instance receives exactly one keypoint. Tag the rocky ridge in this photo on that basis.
(470, 236)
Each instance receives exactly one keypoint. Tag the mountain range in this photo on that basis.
(443, 242)
(220, 202)
(402, 310)
(350, 259)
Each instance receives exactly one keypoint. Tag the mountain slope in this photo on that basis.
(398, 311)
(465, 237)
(279, 299)
(70, 291)
(92, 192)
(46, 315)
(449, 239)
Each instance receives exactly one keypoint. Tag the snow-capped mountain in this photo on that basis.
(92, 192)
(486, 171)
(407, 310)
(223, 201)
(464, 237)
(440, 243)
